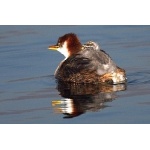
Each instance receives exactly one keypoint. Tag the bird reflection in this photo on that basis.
(81, 98)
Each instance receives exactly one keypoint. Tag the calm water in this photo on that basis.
(29, 93)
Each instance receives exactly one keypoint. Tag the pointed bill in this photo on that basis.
(53, 47)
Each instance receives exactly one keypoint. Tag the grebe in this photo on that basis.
(85, 63)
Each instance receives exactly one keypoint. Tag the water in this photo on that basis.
(29, 93)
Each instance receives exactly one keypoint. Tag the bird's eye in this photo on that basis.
(59, 44)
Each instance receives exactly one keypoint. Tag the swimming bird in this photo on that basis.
(85, 63)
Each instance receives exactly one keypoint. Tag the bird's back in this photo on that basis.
(86, 66)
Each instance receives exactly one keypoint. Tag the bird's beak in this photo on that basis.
(53, 47)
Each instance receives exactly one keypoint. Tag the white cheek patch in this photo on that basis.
(64, 50)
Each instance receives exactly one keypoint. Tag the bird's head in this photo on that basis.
(67, 44)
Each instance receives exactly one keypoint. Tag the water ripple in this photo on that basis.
(31, 78)
(137, 78)
(11, 112)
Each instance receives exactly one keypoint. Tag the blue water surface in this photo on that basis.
(28, 90)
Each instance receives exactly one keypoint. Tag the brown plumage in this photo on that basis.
(73, 43)
(86, 63)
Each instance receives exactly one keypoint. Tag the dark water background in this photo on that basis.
(28, 92)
